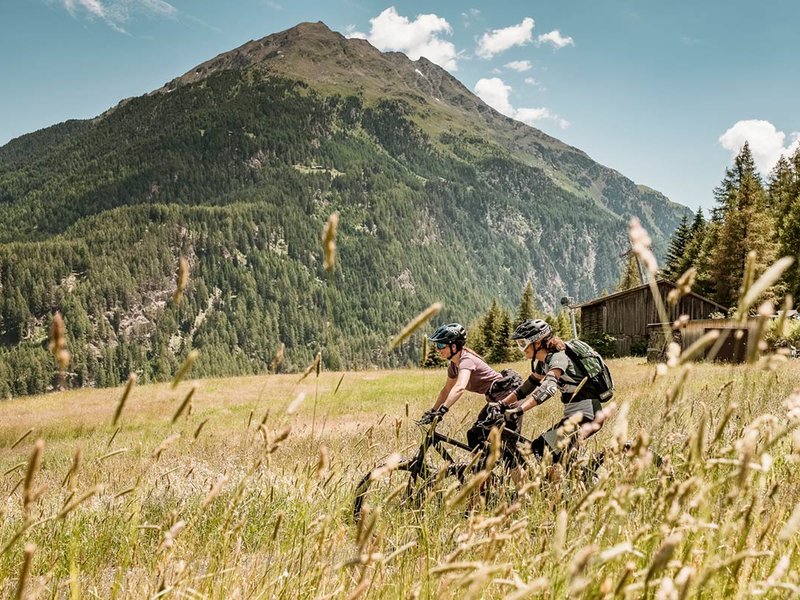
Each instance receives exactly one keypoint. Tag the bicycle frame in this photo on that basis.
(434, 439)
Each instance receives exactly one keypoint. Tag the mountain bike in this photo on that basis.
(413, 481)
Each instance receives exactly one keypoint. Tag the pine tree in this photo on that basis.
(630, 274)
(694, 245)
(431, 359)
(527, 307)
(744, 226)
(677, 249)
(564, 325)
(500, 350)
(784, 193)
(781, 192)
(488, 328)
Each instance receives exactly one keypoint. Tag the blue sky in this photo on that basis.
(663, 92)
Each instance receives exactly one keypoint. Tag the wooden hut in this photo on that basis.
(625, 315)
(734, 341)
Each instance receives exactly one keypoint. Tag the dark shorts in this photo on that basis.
(477, 436)
(557, 441)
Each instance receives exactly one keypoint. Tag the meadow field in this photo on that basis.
(248, 493)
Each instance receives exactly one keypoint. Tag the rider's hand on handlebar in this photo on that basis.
(510, 414)
(494, 413)
(429, 415)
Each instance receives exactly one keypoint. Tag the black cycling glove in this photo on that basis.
(429, 415)
(512, 414)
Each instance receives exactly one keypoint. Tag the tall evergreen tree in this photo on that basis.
(677, 249)
(501, 347)
(564, 325)
(527, 307)
(784, 193)
(431, 358)
(488, 328)
(745, 225)
(631, 276)
(694, 245)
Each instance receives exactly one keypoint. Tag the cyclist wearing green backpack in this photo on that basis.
(574, 369)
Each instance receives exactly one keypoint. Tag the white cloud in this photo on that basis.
(766, 143)
(118, 12)
(500, 40)
(531, 81)
(420, 37)
(519, 65)
(496, 93)
(470, 14)
(555, 38)
(93, 7)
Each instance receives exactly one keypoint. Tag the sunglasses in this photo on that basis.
(440, 345)
(522, 344)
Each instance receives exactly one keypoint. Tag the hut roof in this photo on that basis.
(638, 288)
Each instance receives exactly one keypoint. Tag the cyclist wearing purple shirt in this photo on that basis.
(467, 372)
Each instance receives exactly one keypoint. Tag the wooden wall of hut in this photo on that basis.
(626, 315)
(734, 342)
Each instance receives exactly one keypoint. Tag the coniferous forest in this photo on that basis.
(237, 171)
(750, 215)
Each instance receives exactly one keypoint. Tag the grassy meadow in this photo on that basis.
(248, 493)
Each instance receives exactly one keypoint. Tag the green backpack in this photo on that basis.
(597, 382)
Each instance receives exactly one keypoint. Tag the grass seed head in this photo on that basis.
(314, 366)
(169, 536)
(182, 280)
(184, 368)
(415, 323)
(166, 443)
(329, 241)
(323, 462)
(294, 405)
(640, 244)
(186, 402)
(214, 491)
(124, 398)
(28, 493)
(278, 358)
(58, 343)
(25, 572)
(21, 438)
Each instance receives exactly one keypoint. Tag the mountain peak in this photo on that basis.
(333, 64)
(287, 52)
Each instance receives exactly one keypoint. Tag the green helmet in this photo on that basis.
(452, 333)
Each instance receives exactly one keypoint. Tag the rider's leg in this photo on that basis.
(477, 435)
(560, 439)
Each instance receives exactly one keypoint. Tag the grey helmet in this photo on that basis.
(450, 334)
(532, 330)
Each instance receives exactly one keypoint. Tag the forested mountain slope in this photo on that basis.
(237, 165)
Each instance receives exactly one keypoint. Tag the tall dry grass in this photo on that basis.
(231, 489)
(259, 506)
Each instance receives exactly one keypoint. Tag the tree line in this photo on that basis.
(750, 215)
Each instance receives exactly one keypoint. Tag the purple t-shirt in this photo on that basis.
(481, 375)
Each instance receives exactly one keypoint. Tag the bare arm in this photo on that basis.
(457, 388)
(444, 392)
